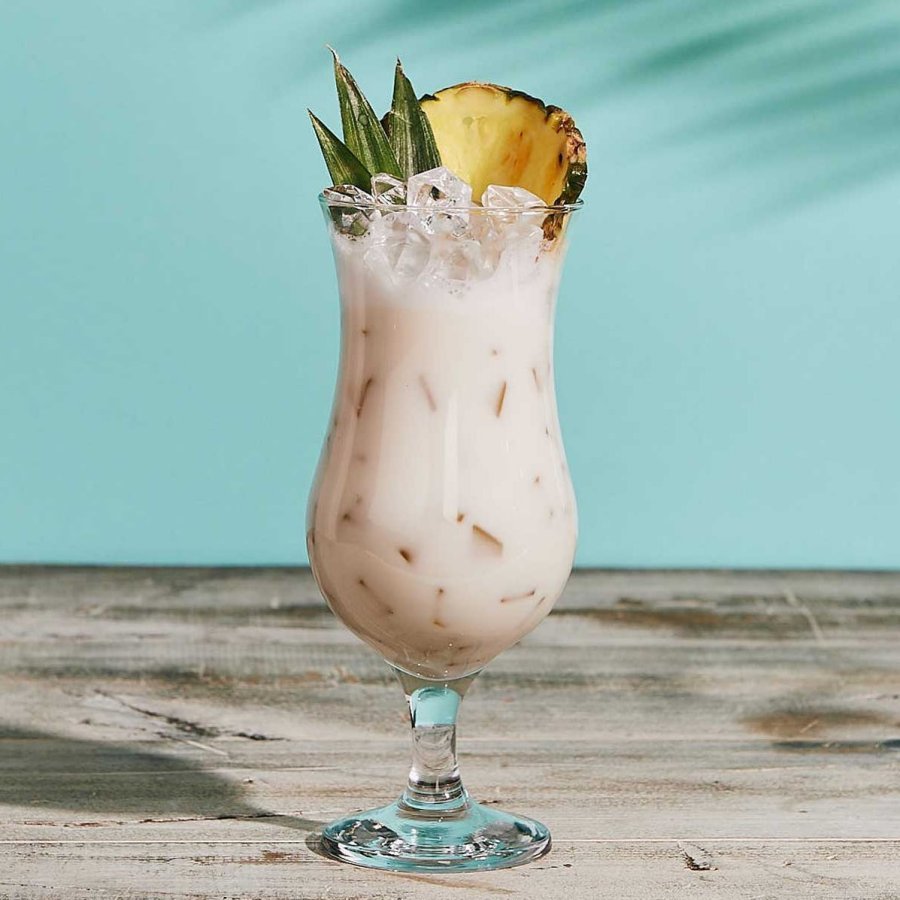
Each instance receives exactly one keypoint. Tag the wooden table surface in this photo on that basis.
(182, 733)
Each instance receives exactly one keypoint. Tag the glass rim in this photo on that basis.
(476, 208)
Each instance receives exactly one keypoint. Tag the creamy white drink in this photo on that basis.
(442, 525)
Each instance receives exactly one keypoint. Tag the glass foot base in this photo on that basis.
(407, 840)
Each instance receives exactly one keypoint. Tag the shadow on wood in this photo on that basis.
(44, 770)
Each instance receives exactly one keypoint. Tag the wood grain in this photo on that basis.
(182, 733)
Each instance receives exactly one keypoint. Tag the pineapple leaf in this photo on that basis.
(343, 166)
(409, 130)
(363, 133)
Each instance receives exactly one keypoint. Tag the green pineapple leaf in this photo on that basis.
(409, 130)
(363, 133)
(343, 166)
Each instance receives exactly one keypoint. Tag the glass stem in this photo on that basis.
(434, 785)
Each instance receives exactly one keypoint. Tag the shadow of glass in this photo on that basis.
(38, 769)
(315, 844)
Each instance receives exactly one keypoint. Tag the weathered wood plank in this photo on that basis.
(624, 870)
(181, 733)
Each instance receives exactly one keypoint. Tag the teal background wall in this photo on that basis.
(728, 336)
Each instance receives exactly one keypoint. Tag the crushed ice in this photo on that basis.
(428, 229)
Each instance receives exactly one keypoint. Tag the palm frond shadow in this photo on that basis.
(797, 90)
(231, 10)
(714, 44)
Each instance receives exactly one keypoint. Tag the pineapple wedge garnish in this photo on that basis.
(484, 133)
(488, 134)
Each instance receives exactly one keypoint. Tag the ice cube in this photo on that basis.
(387, 189)
(520, 243)
(515, 215)
(458, 261)
(409, 254)
(451, 223)
(481, 226)
(438, 188)
(398, 248)
(500, 195)
(348, 194)
(351, 208)
(440, 202)
(391, 226)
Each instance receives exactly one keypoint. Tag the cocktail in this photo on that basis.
(442, 523)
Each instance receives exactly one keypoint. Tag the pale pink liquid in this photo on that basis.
(442, 525)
